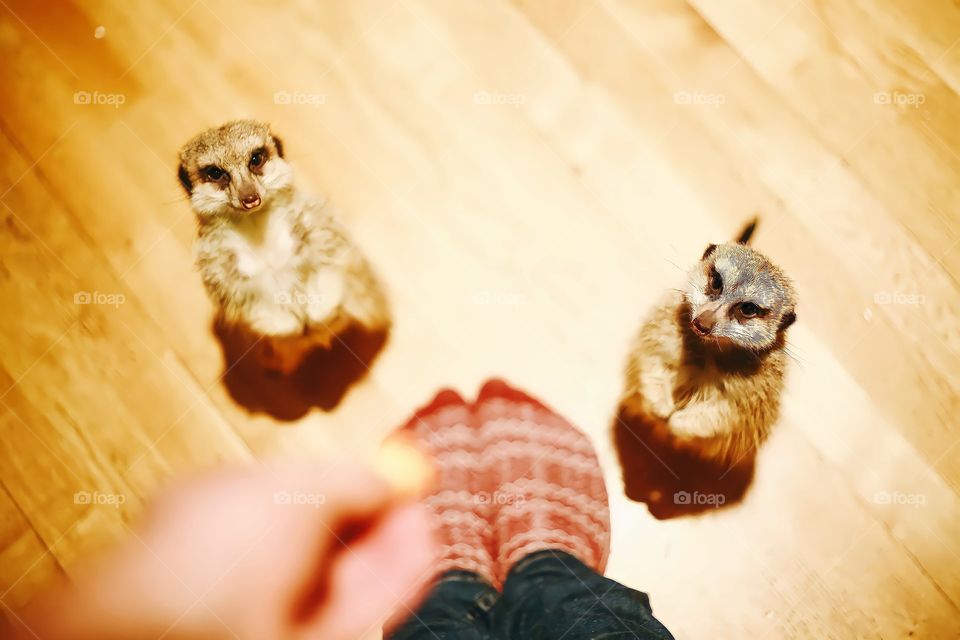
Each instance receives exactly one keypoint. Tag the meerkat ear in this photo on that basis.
(709, 250)
(185, 179)
(787, 320)
(279, 145)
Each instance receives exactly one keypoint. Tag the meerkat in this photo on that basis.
(708, 365)
(275, 260)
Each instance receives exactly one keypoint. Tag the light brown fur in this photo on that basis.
(283, 270)
(718, 393)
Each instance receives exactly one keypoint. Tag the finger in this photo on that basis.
(399, 471)
(376, 574)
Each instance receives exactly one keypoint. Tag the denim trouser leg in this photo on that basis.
(547, 596)
(550, 594)
(457, 608)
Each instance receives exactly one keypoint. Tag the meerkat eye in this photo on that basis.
(749, 310)
(213, 174)
(257, 158)
(716, 282)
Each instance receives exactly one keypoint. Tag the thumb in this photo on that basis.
(380, 571)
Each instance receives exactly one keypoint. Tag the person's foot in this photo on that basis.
(546, 487)
(443, 431)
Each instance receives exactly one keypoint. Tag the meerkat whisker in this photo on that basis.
(276, 260)
(723, 344)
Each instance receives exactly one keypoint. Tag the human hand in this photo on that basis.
(321, 552)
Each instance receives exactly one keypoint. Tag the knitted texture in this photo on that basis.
(544, 481)
(460, 514)
(513, 477)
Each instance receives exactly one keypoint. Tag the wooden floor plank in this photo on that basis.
(751, 156)
(28, 564)
(528, 177)
(869, 96)
(80, 382)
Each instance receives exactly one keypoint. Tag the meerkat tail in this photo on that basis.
(747, 232)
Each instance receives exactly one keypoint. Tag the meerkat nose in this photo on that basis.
(703, 323)
(250, 201)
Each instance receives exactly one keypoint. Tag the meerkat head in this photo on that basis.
(737, 296)
(234, 169)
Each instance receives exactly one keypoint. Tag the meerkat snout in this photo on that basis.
(703, 324)
(276, 260)
(707, 369)
(234, 169)
(250, 199)
(735, 295)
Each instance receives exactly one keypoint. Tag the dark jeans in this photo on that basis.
(547, 596)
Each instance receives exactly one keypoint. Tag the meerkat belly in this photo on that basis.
(266, 253)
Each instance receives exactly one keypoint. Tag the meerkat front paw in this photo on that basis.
(275, 320)
(653, 398)
(695, 422)
(658, 396)
(324, 295)
(637, 405)
(654, 382)
(663, 404)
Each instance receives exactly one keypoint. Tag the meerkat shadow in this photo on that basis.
(674, 481)
(321, 381)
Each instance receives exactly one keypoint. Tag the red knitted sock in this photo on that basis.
(546, 487)
(444, 432)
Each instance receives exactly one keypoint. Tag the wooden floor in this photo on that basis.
(528, 176)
